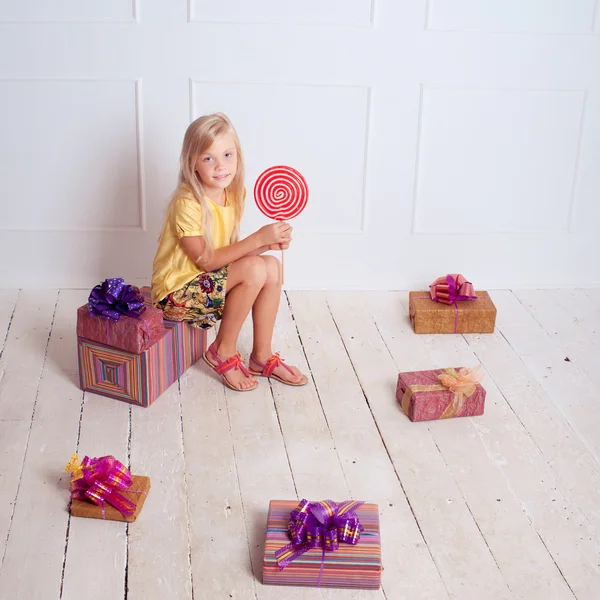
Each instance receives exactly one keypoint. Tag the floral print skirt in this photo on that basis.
(200, 302)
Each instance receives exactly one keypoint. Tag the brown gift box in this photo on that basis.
(137, 493)
(467, 316)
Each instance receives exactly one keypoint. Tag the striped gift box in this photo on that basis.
(348, 567)
(140, 378)
(189, 342)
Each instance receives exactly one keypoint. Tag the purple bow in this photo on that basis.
(325, 525)
(113, 298)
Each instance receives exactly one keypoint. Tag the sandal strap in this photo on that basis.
(214, 354)
(233, 362)
(272, 363)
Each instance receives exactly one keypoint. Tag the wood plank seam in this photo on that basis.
(287, 454)
(185, 489)
(241, 498)
(473, 517)
(387, 451)
(577, 433)
(12, 314)
(37, 391)
(316, 391)
(552, 557)
(585, 333)
(64, 562)
(126, 577)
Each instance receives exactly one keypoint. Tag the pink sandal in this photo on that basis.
(233, 362)
(271, 364)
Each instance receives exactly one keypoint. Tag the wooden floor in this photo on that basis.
(506, 505)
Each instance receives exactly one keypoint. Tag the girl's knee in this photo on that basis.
(255, 270)
(273, 267)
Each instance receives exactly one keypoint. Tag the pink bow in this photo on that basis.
(451, 288)
(98, 480)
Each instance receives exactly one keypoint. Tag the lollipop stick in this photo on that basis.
(282, 268)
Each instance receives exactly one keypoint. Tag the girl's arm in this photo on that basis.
(273, 247)
(258, 251)
(194, 246)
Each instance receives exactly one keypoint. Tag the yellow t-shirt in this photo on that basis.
(172, 267)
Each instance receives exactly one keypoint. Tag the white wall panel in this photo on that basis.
(497, 161)
(70, 155)
(518, 16)
(67, 10)
(342, 12)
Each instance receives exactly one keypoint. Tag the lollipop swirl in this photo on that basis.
(281, 193)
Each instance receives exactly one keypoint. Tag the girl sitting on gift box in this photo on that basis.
(203, 273)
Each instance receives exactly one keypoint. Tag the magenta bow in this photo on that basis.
(451, 288)
(99, 480)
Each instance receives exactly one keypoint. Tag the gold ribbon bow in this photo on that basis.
(461, 383)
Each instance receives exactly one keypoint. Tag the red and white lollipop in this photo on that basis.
(281, 193)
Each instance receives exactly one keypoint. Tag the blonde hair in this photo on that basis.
(199, 137)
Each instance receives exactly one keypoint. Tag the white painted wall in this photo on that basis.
(436, 136)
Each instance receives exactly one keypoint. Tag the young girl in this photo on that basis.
(202, 273)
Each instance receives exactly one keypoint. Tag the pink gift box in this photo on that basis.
(424, 398)
(128, 333)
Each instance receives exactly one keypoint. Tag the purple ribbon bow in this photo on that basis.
(113, 298)
(325, 524)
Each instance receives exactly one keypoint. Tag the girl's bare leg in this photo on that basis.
(245, 280)
(264, 312)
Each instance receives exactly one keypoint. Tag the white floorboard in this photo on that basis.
(502, 506)
(21, 367)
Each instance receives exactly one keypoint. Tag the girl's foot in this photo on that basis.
(233, 371)
(273, 366)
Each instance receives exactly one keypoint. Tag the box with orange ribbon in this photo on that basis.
(441, 393)
(323, 544)
(103, 488)
(451, 306)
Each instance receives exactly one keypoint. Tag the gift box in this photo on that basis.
(128, 333)
(103, 488)
(139, 378)
(189, 343)
(136, 493)
(440, 394)
(349, 566)
(463, 316)
(116, 315)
